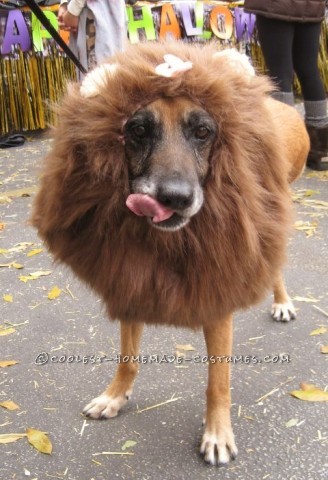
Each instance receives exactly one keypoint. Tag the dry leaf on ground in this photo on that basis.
(291, 423)
(54, 293)
(16, 265)
(9, 405)
(310, 393)
(317, 204)
(301, 193)
(308, 227)
(186, 348)
(12, 265)
(34, 276)
(39, 440)
(11, 437)
(128, 444)
(319, 331)
(7, 363)
(33, 252)
(8, 298)
(320, 175)
(20, 247)
(6, 331)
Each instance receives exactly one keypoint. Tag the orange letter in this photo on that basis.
(223, 17)
(172, 28)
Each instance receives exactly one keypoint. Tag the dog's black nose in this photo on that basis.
(175, 194)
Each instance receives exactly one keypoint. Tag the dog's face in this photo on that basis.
(168, 146)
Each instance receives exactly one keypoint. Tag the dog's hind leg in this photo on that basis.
(218, 444)
(282, 309)
(108, 404)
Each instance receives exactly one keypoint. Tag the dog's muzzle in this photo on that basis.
(167, 207)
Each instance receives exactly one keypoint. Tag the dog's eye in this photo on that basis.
(202, 132)
(139, 131)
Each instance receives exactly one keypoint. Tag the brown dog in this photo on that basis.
(166, 190)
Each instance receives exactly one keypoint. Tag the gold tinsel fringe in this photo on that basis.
(323, 54)
(30, 83)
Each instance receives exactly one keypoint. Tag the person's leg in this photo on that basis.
(305, 57)
(305, 60)
(276, 40)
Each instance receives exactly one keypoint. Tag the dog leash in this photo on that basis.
(55, 35)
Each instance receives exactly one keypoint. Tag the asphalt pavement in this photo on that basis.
(56, 341)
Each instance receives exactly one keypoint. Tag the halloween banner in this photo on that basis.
(34, 70)
(197, 21)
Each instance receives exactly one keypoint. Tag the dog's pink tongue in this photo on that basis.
(146, 206)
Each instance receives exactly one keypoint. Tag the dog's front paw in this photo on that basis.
(283, 312)
(218, 448)
(105, 406)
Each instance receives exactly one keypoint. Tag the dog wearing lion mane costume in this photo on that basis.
(166, 190)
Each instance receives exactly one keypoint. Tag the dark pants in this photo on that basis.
(290, 47)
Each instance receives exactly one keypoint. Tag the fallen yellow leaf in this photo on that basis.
(319, 331)
(291, 423)
(18, 266)
(2, 226)
(186, 348)
(324, 349)
(128, 444)
(310, 393)
(36, 251)
(9, 405)
(8, 298)
(41, 273)
(54, 293)
(7, 363)
(11, 437)
(308, 227)
(34, 276)
(22, 192)
(6, 331)
(26, 278)
(317, 203)
(12, 264)
(323, 175)
(20, 247)
(39, 440)
(309, 193)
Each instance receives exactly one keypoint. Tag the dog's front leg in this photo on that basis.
(282, 309)
(218, 445)
(108, 404)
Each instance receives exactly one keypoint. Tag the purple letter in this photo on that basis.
(16, 32)
(243, 21)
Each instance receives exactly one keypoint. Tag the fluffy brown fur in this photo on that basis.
(227, 257)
